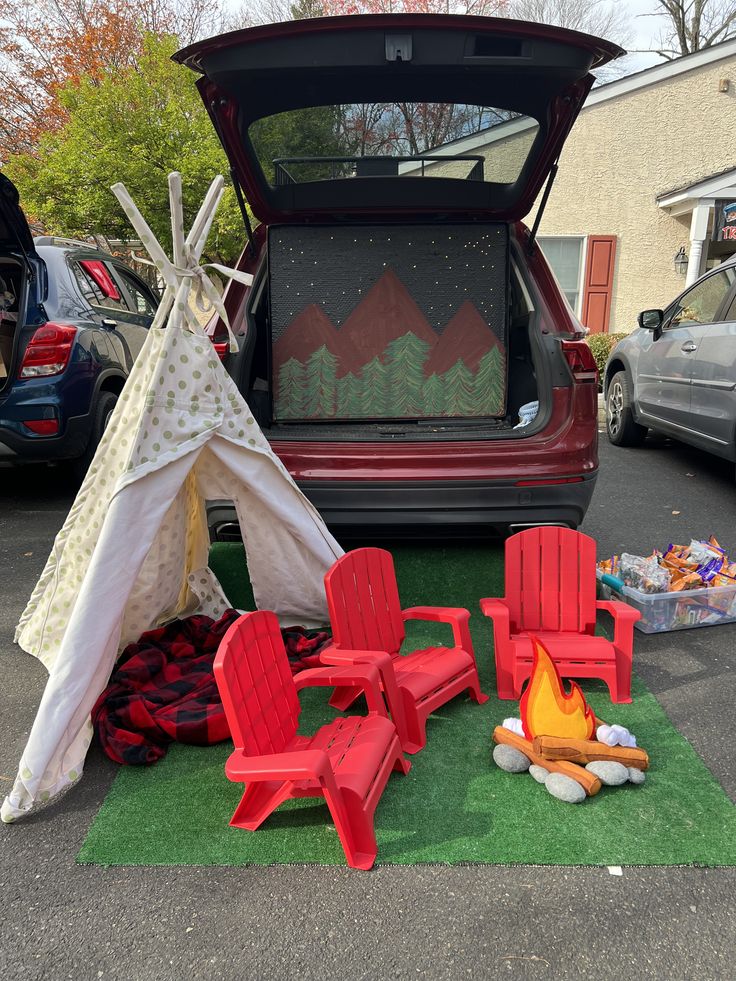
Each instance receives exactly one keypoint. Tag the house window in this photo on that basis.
(565, 256)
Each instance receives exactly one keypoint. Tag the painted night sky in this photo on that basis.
(381, 322)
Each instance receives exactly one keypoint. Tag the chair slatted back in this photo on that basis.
(256, 685)
(550, 580)
(363, 600)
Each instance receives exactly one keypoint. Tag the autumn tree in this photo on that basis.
(133, 125)
(276, 10)
(46, 44)
(687, 26)
(600, 17)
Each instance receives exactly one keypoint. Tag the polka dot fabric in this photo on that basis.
(132, 553)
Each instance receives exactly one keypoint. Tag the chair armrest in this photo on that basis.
(456, 616)
(381, 660)
(498, 611)
(305, 764)
(436, 614)
(364, 676)
(341, 656)
(618, 609)
(624, 618)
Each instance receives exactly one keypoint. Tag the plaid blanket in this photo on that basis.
(163, 688)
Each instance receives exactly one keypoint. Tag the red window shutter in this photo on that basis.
(598, 284)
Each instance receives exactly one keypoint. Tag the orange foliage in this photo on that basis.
(45, 44)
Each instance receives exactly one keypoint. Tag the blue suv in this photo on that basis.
(72, 321)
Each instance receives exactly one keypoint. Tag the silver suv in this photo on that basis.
(677, 373)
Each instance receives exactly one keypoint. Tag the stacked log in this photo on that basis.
(556, 761)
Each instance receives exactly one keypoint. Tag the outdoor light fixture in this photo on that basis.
(681, 261)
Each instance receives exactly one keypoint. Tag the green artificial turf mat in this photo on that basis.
(455, 805)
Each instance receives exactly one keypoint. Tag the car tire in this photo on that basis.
(622, 428)
(101, 412)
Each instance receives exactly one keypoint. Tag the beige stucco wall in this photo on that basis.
(625, 151)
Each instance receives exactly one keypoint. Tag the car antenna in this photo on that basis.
(540, 211)
(243, 212)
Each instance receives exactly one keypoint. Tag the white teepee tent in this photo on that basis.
(132, 553)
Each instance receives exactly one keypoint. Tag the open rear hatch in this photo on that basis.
(410, 88)
(19, 264)
(388, 155)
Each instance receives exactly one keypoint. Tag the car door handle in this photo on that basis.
(109, 323)
(688, 347)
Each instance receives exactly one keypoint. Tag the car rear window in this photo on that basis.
(393, 139)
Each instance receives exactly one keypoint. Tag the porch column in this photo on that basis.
(698, 236)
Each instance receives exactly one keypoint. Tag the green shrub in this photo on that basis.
(601, 345)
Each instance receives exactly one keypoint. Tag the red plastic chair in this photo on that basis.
(550, 592)
(368, 628)
(348, 761)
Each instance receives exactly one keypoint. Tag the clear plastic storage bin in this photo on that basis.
(676, 611)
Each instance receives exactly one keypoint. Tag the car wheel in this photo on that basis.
(103, 409)
(622, 428)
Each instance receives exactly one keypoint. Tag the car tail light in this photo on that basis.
(581, 361)
(42, 427)
(48, 351)
(222, 348)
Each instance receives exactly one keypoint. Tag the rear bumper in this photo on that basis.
(411, 507)
(66, 399)
(19, 446)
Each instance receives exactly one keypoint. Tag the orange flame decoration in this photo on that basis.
(546, 709)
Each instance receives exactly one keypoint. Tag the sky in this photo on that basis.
(646, 31)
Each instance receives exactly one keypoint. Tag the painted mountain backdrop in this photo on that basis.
(385, 361)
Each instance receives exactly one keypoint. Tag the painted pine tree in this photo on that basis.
(320, 385)
(458, 385)
(346, 390)
(292, 382)
(434, 397)
(489, 386)
(405, 358)
(371, 390)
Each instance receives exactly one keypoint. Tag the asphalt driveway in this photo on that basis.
(60, 920)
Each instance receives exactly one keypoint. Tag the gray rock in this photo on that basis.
(510, 759)
(564, 788)
(610, 773)
(539, 773)
(636, 776)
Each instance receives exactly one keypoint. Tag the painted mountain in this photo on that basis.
(309, 330)
(385, 361)
(467, 336)
(386, 313)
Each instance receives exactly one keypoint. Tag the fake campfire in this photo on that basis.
(560, 741)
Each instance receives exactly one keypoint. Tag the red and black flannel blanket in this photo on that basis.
(163, 688)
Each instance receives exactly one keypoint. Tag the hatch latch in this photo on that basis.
(398, 47)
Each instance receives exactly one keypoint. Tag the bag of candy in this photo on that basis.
(644, 574)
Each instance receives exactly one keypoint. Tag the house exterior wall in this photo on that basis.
(625, 151)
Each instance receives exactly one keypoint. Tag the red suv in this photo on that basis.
(402, 321)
